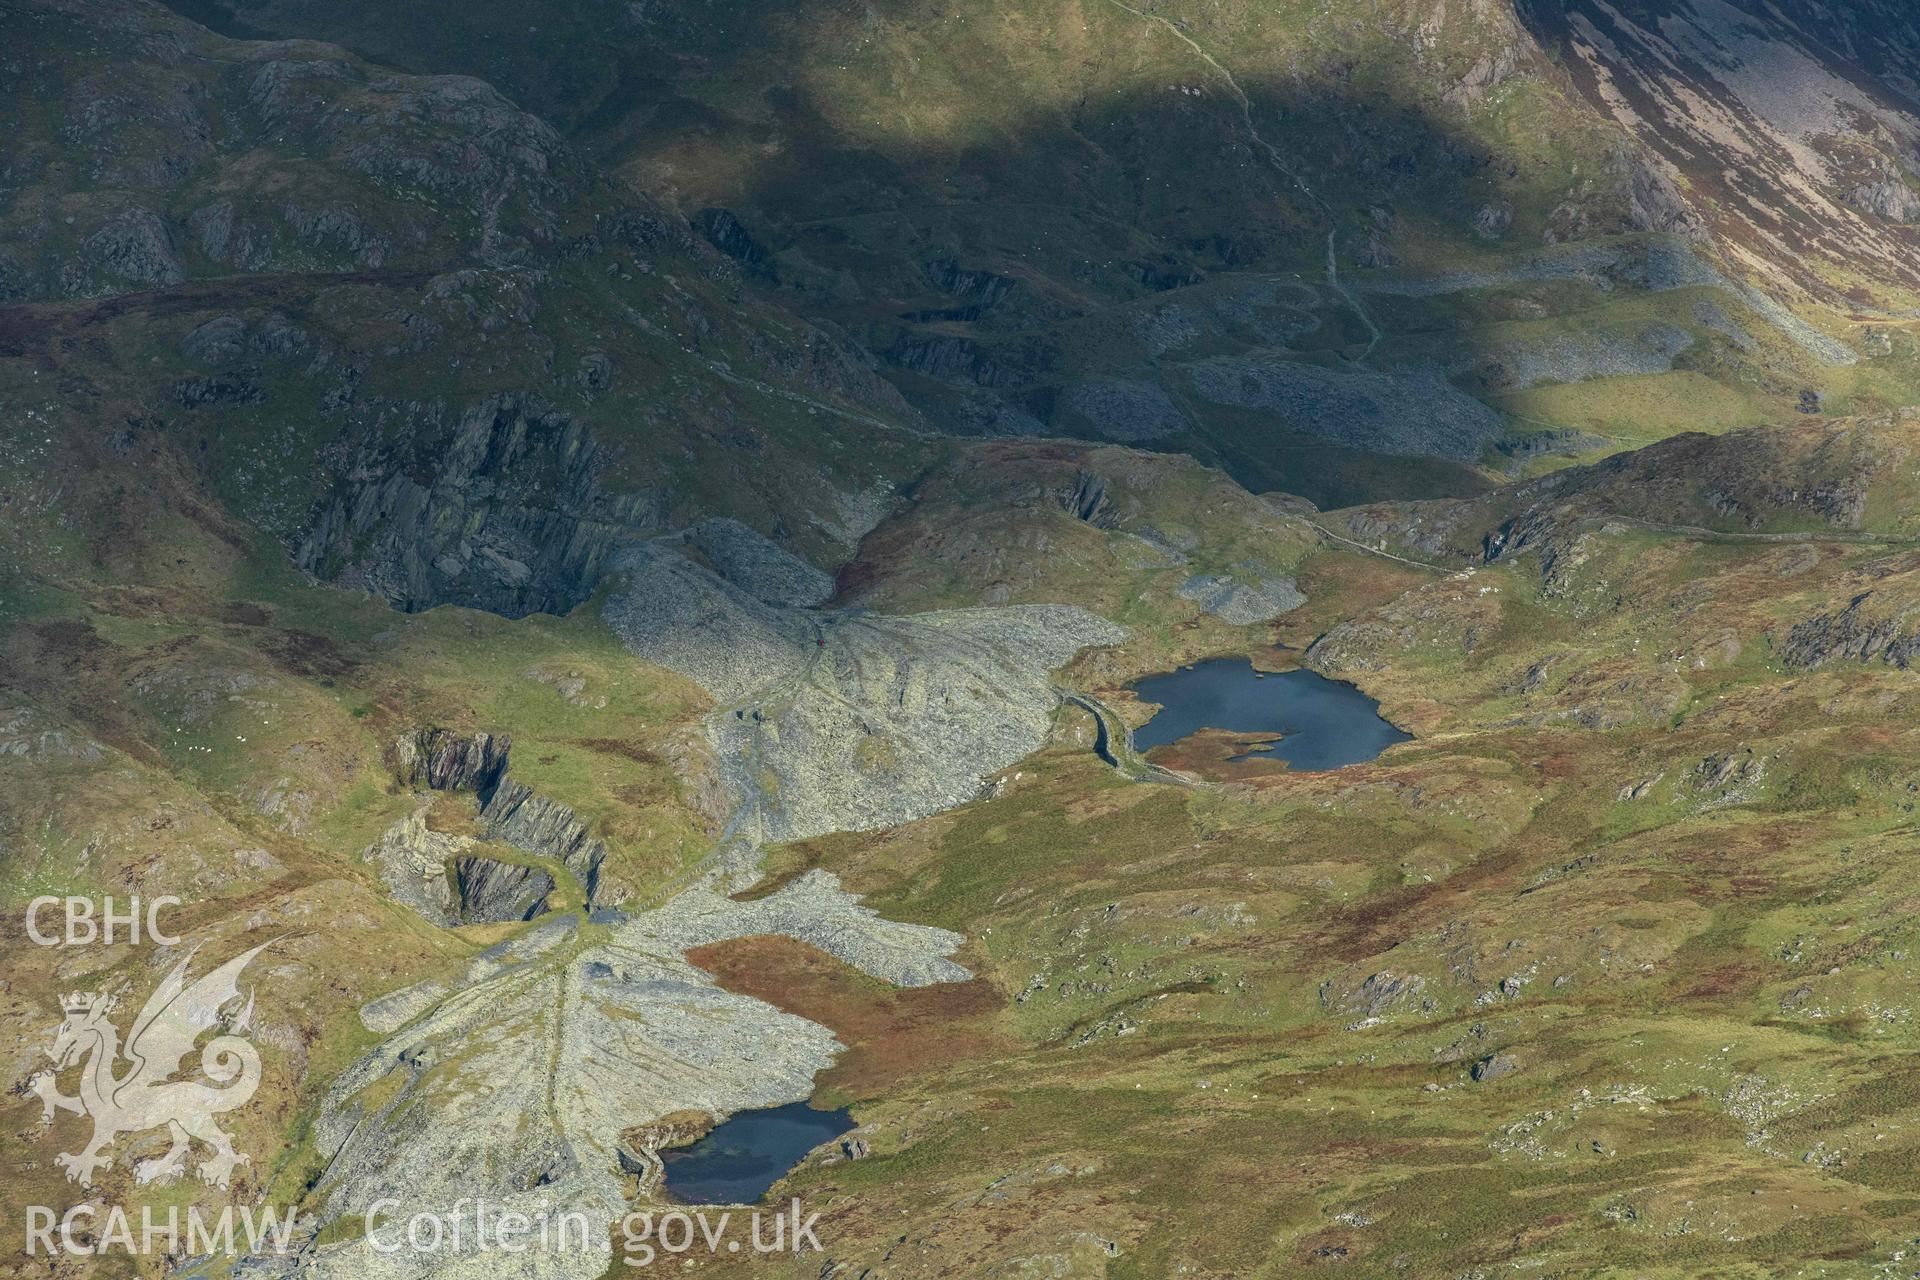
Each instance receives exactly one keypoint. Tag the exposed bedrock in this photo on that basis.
(455, 879)
(1867, 630)
(1242, 603)
(500, 509)
(413, 860)
(517, 816)
(1410, 411)
(492, 890)
(442, 760)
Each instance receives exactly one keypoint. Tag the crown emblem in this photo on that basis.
(82, 1002)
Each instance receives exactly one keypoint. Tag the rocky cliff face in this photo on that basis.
(456, 879)
(444, 761)
(416, 864)
(497, 507)
(1869, 629)
(515, 815)
(492, 891)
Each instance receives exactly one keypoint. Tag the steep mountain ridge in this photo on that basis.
(1794, 128)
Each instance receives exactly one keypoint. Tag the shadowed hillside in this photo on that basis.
(1040, 218)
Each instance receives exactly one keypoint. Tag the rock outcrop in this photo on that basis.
(1242, 603)
(515, 815)
(499, 507)
(455, 879)
(1865, 631)
(442, 760)
(491, 889)
(1411, 411)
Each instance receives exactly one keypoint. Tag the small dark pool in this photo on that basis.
(745, 1155)
(1321, 723)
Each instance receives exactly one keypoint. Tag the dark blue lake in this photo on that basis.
(745, 1155)
(1321, 723)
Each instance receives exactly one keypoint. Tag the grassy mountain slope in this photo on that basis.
(330, 412)
(1603, 973)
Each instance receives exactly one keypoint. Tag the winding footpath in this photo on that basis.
(1279, 162)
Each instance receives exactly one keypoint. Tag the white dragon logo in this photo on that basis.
(143, 1098)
